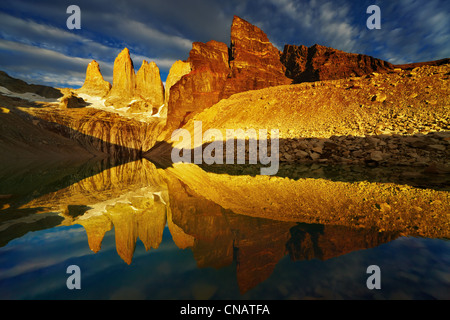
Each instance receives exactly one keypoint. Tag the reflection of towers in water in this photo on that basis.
(138, 201)
(130, 197)
(139, 212)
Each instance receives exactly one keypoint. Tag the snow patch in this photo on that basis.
(29, 96)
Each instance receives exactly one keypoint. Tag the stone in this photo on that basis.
(380, 97)
(317, 149)
(71, 100)
(438, 147)
(301, 154)
(314, 156)
(376, 155)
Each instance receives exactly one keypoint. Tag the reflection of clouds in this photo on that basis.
(50, 254)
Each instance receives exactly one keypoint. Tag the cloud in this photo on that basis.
(29, 32)
(328, 23)
(44, 66)
(411, 31)
(163, 30)
(58, 57)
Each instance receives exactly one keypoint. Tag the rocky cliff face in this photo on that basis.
(178, 69)
(254, 61)
(124, 77)
(251, 63)
(202, 87)
(94, 83)
(318, 63)
(142, 92)
(97, 131)
(149, 85)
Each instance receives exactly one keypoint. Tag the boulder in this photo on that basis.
(71, 100)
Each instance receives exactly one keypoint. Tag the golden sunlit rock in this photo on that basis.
(386, 206)
(94, 83)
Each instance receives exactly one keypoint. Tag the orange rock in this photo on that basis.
(202, 87)
(178, 70)
(251, 63)
(254, 61)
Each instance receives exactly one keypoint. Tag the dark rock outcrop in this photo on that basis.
(318, 63)
(71, 100)
(20, 86)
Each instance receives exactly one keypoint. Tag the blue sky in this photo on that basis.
(36, 46)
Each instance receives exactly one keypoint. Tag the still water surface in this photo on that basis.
(138, 232)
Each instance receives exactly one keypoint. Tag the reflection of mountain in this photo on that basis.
(199, 209)
(315, 241)
(383, 206)
(131, 197)
(24, 181)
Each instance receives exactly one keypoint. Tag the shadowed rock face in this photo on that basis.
(251, 63)
(94, 83)
(97, 131)
(20, 86)
(318, 63)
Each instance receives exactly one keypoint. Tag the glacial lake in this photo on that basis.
(141, 231)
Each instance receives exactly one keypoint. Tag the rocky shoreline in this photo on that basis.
(412, 150)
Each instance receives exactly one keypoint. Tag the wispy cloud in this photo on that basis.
(46, 66)
(323, 22)
(58, 57)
